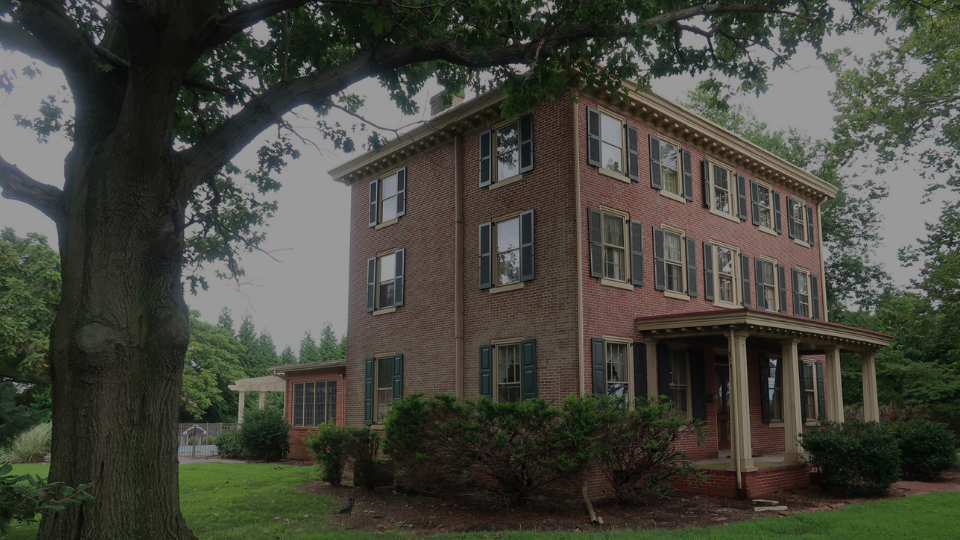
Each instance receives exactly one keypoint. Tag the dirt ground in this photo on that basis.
(384, 509)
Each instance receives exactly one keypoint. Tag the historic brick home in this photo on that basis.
(592, 247)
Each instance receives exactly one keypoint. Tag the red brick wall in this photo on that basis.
(297, 449)
(723, 483)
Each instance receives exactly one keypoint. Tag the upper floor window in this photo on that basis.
(673, 260)
(506, 152)
(385, 281)
(508, 370)
(616, 247)
(388, 198)
(675, 263)
(800, 221)
(612, 145)
(724, 192)
(507, 251)
(723, 273)
(670, 169)
(771, 285)
(383, 384)
(766, 207)
(806, 294)
(314, 403)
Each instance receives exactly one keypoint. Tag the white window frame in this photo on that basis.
(628, 375)
(497, 346)
(621, 174)
(800, 225)
(667, 291)
(770, 207)
(624, 280)
(809, 296)
(302, 405)
(776, 284)
(378, 303)
(381, 222)
(815, 410)
(737, 285)
(377, 403)
(496, 180)
(688, 411)
(679, 195)
(733, 214)
(499, 286)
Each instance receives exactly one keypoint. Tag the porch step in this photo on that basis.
(765, 502)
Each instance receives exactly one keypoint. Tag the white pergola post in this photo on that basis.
(834, 384)
(243, 395)
(741, 447)
(871, 407)
(263, 399)
(790, 381)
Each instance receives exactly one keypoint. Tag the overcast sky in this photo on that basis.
(309, 234)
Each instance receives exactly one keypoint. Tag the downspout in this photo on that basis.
(579, 233)
(823, 264)
(737, 441)
(458, 266)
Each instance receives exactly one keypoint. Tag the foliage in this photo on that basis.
(862, 458)
(287, 357)
(328, 444)
(229, 446)
(363, 446)
(264, 435)
(308, 349)
(31, 446)
(210, 366)
(259, 352)
(927, 449)
(23, 498)
(14, 419)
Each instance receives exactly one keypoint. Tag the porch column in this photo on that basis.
(243, 395)
(263, 400)
(652, 390)
(834, 384)
(792, 421)
(871, 408)
(741, 447)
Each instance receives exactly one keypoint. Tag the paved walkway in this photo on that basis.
(929, 486)
(184, 460)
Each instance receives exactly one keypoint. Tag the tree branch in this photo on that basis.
(17, 186)
(64, 43)
(15, 38)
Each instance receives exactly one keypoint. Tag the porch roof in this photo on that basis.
(281, 370)
(270, 383)
(764, 324)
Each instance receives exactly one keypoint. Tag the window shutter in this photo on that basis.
(745, 269)
(708, 270)
(374, 201)
(815, 296)
(764, 389)
(755, 201)
(486, 371)
(402, 192)
(398, 281)
(398, 377)
(593, 136)
(636, 252)
(706, 182)
(633, 153)
(663, 371)
(368, 393)
(526, 143)
(639, 369)
(687, 164)
(776, 212)
(598, 346)
(486, 262)
(659, 265)
(804, 414)
(758, 278)
(691, 267)
(791, 224)
(595, 221)
(782, 278)
(810, 238)
(655, 181)
(821, 399)
(796, 291)
(528, 367)
(742, 196)
(527, 272)
(371, 284)
(698, 384)
(486, 160)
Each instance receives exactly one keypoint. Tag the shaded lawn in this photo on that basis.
(236, 501)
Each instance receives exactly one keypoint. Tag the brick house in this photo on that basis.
(314, 394)
(633, 249)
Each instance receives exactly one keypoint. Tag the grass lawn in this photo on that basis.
(236, 501)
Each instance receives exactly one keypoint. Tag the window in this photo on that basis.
(611, 137)
(675, 263)
(384, 380)
(771, 388)
(507, 251)
(724, 192)
(681, 378)
(812, 403)
(512, 364)
(726, 275)
(383, 384)
(506, 152)
(801, 292)
(618, 375)
(388, 198)
(771, 285)
(385, 281)
(673, 257)
(616, 248)
(314, 403)
(798, 216)
(670, 168)
(766, 207)
(678, 379)
(614, 259)
(612, 145)
(800, 222)
(619, 368)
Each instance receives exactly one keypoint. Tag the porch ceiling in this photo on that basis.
(762, 324)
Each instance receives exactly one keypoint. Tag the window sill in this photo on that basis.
(727, 305)
(799, 242)
(613, 174)
(809, 423)
(724, 215)
(768, 231)
(677, 295)
(384, 311)
(617, 284)
(505, 182)
(672, 195)
(386, 223)
(506, 288)
(779, 424)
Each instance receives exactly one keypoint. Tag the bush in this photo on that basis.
(328, 446)
(926, 449)
(363, 445)
(264, 435)
(228, 445)
(22, 498)
(14, 419)
(862, 458)
(29, 447)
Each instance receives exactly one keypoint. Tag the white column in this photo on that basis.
(871, 407)
(652, 376)
(790, 381)
(243, 395)
(741, 446)
(263, 400)
(834, 386)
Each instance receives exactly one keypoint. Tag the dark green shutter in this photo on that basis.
(796, 291)
(782, 275)
(791, 223)
(398, 377)
(691, 267)
(528, 369)
(599, 364)
(755, 201)
(633, 153)
(810, 238)
(821, 400)
(526, 143)
(486, 159)
(758, 279)
(742, 196)
(527, 272)
(486, 371)
(698, 384)
(639, 369)
(708, 270)
(815, 296)
(486, 258)
(371, 284)
(368, 392)
(804, 414)
(706, 182)
(398, 280)
(655, 181)
(777, 220)
(687, 164)
(764, 389)
(663, 371)
(659, 265)
(402, 192)
(593, 136)
(745, 284)
(595, 224)
(636, 252)
(374, 203)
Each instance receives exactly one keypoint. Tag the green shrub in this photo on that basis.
(228, 445)
(926, 449)
(14, 419)
(862, 458)
(264, 435)
(23, 498)
(363, 445)
(30, 446)
(328, 444)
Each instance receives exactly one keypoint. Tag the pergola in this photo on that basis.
(270, 383)
(766, 330)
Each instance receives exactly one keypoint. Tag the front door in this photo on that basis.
(723, 404)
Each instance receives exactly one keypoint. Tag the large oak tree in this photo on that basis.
(167, 92)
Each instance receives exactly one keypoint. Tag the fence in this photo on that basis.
(199, 440)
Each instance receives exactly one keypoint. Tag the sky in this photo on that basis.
(309, 236)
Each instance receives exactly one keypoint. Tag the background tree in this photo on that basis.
(331, 348)
(211, 364)
(287, 357)
(167, 92)
(259, 352)
(308, 349)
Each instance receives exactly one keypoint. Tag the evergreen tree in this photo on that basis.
(287, 357)
(309, 352)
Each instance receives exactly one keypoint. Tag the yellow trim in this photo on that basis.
(823, 271)
(800, 242)
(384, 311)
(505, 288)
(608, 210)
(768, 231)
(675, 294)
(737, 277)
(505, 182)
(385, 253)
(506, 341)
(379, 226)
(613, 174)
(391, 173)
(615, 283)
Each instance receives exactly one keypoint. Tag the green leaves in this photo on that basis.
(25, 497)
